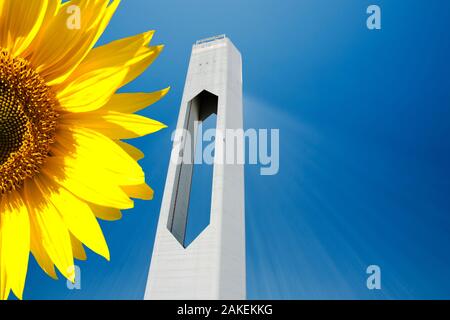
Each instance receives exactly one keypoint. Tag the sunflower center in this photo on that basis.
(27, 121)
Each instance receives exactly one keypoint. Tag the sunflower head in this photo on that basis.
(27, 121)
(63, 161)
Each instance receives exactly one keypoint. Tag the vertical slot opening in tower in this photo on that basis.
(191, 200)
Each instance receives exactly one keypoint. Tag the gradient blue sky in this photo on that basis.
(364, 119)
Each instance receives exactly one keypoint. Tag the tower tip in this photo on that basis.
(211, 39)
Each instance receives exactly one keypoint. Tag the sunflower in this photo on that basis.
(63, 161)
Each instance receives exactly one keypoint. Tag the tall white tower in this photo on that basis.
(213, 265)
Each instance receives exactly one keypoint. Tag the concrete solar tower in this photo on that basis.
(213, 265)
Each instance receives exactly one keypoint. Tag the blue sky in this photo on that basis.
(363, 118)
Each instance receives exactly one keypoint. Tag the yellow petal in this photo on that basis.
(20, 21)
(50, 227)
(91, 91)
(142, 191)
(61, 49)
(80, 220)
(105, 70)
(142, 63)
(88, 151)
(87, 183)
(116, 53)
(15, 244)
(77, 248)
(133, 102)
(116, 125)
(53, 8)
(40, 254)
(120, 55)
(134, 152)
(130, 54)
(104, 213)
